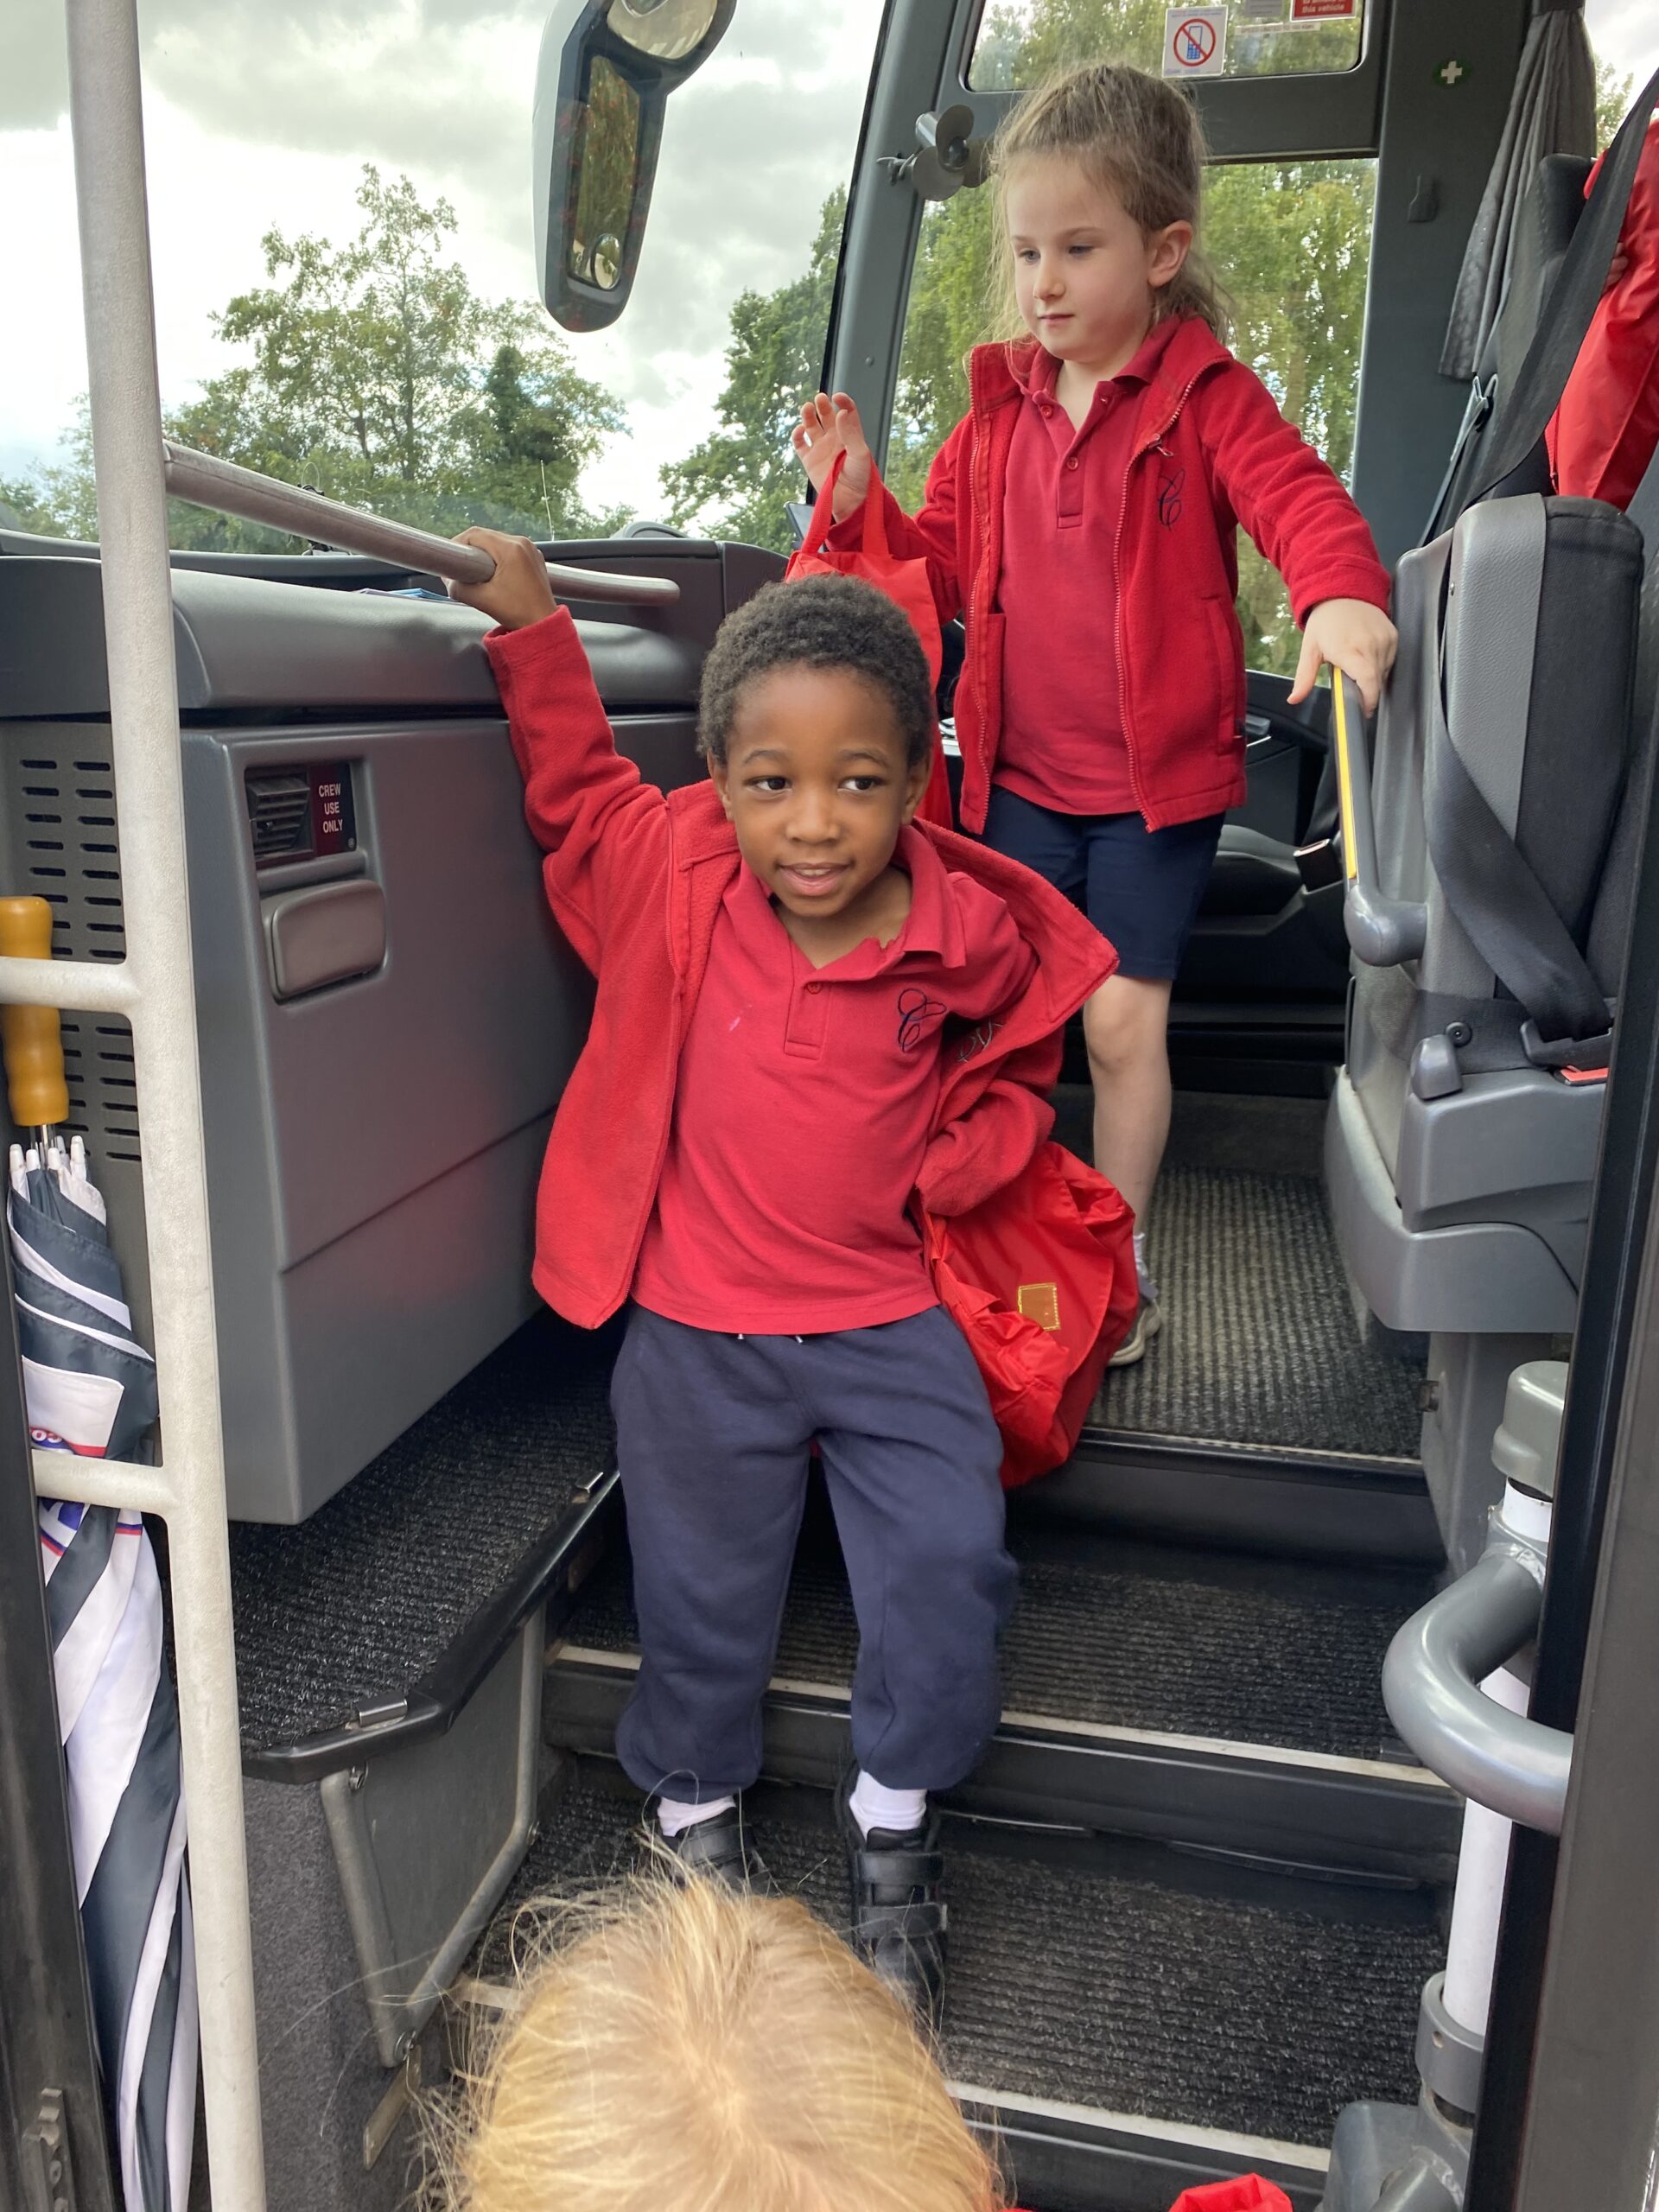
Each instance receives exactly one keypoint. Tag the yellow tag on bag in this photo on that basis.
(1039, 1302)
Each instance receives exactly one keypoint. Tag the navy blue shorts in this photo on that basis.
(1140, 888)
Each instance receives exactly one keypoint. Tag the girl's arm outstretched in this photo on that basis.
(830, 426)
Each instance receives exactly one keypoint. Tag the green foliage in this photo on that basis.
(1291, 241)
(737, 482)
(1615, 89)
(379, 376)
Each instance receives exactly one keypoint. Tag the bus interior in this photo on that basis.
(1202, 1885)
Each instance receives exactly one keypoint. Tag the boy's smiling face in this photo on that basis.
(816, 787)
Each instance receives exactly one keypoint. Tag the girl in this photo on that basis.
(685, 2047)
(1083, 517)
(693, 2047)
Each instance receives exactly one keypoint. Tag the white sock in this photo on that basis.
(1143, 1273)
(674, 1818)
(896, 1811)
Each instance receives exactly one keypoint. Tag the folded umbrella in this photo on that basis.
(89, 1387)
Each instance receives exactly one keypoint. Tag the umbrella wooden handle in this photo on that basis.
(29, 1035)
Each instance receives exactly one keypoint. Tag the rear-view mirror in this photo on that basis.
(603, 81)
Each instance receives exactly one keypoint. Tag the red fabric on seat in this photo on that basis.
(1603, 435)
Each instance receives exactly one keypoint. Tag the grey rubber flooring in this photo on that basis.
(1260, 1344)
(357, 1603)
(1132, 1636)
(1120, 1977)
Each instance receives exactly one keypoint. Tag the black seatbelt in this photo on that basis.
(1523, 412)
(1501, 906)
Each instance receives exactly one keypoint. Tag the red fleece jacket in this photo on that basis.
(1210, 451)
(636, 882)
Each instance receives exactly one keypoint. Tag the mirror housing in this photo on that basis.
(603, 81)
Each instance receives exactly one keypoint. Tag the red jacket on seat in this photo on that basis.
(1210, 451)
(636, 882)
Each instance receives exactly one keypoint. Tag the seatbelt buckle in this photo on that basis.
(1583, 1058)
(1319, 864)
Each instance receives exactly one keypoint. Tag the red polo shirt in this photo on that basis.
(802, 1106)
(1062, 744)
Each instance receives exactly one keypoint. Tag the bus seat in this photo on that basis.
(1461, 1143)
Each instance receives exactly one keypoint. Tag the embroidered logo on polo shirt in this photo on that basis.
(1170, 485)
(917, 1014)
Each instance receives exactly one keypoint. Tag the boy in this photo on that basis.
(811, 1016)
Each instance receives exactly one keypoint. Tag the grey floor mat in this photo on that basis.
(1124, 1979)
(1261, 1345)
(356, 1603)
(1134, 1636)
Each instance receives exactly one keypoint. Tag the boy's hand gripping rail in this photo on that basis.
(1381, 930)
(207, 482)
(1431, 1686)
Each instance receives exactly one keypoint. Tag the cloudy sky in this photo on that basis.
(261, 113)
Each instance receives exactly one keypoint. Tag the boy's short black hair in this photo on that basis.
(819, 622)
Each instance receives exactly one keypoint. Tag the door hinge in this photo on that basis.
(48, 2177)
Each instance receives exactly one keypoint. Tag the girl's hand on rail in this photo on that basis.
(519, 592)
(1353, 635)
(829, 426)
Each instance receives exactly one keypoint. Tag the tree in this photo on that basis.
(738, 481)
(379, 376)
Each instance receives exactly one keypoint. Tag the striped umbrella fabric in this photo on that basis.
(90, 1388)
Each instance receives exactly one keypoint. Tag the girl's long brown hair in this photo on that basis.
(1139, 137)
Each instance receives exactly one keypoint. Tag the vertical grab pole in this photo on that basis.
(108, 128)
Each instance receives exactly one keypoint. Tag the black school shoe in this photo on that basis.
(721, 1849)
(899, 1915)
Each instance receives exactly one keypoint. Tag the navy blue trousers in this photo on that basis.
(713, 1436)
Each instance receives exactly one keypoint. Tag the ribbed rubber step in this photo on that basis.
(1122, 1979)
(1128, 1635)
(1229, 1704)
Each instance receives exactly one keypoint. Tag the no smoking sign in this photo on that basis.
(1195, 42)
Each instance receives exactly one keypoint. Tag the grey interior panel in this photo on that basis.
(1489, 1276)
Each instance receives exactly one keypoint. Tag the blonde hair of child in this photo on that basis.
(675, 2044)
(1141, 139)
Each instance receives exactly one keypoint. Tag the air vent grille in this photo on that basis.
(279, 814)
(61, 815)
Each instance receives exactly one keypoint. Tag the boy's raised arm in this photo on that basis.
(587, 806)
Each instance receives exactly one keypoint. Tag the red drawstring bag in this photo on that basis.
(905, 583)
(1040, 1279)
(1602, 436)
(1251, 2194)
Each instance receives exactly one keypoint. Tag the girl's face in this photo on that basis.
(1085, 274)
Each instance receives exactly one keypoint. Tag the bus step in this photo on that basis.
(1223, 1703)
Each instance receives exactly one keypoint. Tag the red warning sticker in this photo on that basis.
(1322, 11)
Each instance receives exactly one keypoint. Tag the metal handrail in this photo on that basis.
(1381, 930)
(155, 987)
(206, 481)
(1431, 1686)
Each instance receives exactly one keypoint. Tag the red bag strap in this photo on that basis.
(823, 516)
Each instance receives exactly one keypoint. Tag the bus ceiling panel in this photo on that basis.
(1261, 119)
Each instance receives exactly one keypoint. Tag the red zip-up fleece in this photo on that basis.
(1210, 451)
(636, 880)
